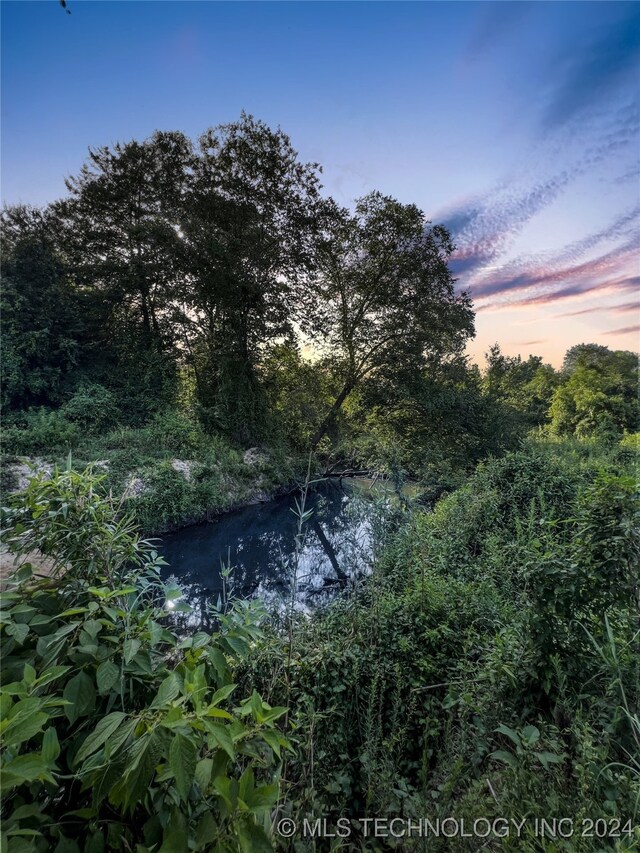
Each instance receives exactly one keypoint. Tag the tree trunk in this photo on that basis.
(335, 408)
(328, 549)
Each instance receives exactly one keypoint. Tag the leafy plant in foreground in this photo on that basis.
(115, 732)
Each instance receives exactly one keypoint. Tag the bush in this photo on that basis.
(93, 406)
(171, 430)
(40, 431)
(117, 733)
(496, 640)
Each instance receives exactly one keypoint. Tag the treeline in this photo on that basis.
(168, 255)
(214, 278)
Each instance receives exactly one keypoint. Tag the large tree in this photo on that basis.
(120, 230)
(525, 388)
(386, 296)
(248, 231)
(121, 244)
(44, 324)
(599, 395)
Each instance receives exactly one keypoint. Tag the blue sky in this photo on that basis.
(516, 124)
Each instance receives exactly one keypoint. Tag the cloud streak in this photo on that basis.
(598, 309)
(611, 268)
(626, 330)
(484, 227)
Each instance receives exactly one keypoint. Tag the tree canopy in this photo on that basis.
(386, 295)
(217, 271)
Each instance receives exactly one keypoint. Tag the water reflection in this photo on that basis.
(257, 544)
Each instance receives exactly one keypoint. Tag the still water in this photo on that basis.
(258, 545)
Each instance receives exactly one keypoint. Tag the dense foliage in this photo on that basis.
(489, 668)
(199, 325)
(212, 284)
(117, 732)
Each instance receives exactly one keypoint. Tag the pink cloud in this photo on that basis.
(626, 330)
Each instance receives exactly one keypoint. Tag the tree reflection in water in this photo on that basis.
(258, 542)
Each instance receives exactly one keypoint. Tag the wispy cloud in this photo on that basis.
(627, 307)
(612, 267)
(484, 228)
(567, 292)
(626, 330)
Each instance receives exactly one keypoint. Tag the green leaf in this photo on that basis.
(167, 691)
(31, 810)
(102, 732)
(264, 797)
(506, 757)
(18, 632)
(222, 693)
(219, 713)
(95, 843)
(130, 649)
(142, 756)
(182, 760)
(530, 735)
(272, 737)
(50, 745)
(120, 738)
(174, 841)
(172, 592)
(203, 771)
(81, 693)
(206, 831)
(66, 845)
(546, 758)
(237, 645)
(92, 627)
(107, 675)
(221, 737)
(50, 675)
(22, 726)
(253, 838)
(24, 768)
(510, 733)
(268, 716)
(199, 640)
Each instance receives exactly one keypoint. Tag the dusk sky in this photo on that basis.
(515, 124)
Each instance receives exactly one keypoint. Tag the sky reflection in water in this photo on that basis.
(258, 542)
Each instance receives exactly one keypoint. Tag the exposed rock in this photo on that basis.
(134, 487)
(254, 456)
(9, 563)
(103, 464)
(28, 468)
(183, 466)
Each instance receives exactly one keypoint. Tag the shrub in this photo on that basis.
(174, 431)
(116, 733)
(92, 406)
(168, 500)
(40, 431)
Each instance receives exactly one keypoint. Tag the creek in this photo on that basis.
(252, 553)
